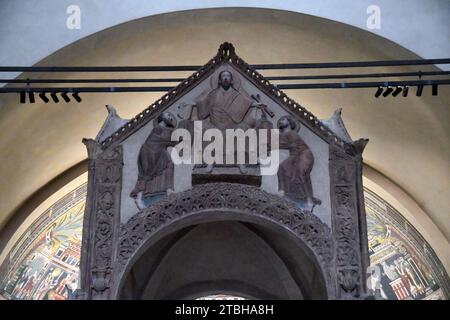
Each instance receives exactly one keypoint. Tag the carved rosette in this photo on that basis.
(102, 218)
(227, 196)
(350, 264)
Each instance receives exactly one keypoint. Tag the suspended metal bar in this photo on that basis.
(362, 75)
(352, 85)
(332, 85)
(91, 80)
(270, 78)
(358, 64)
(100, 69)
(320, 65)
(85, 89)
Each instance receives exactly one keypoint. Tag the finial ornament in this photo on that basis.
(226, 50)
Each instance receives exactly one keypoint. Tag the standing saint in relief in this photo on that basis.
(155, 166)
(294, 173)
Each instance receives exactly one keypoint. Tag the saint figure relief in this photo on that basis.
(294, 173)
(155, 166)
(225, 107)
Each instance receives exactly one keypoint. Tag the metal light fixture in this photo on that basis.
(434, 89)
(43, 97)
(419, 90)
(31, 97)
(405, 91)
(54, 97)
(65, 97)
(76, 96)
(379, 91)
(397, 91)
(388, 91)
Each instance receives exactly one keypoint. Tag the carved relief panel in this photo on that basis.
(131, 173)
(348, 218)
(102, 220)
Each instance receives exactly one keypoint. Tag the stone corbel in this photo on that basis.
(101, 281)
(359, 145)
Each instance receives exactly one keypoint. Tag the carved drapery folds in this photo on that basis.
(102, 218)
(348, 220)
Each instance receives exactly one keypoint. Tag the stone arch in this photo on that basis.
(224, 202)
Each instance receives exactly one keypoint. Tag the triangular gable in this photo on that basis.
(225, 54)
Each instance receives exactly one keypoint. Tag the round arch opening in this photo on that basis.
(234, 256)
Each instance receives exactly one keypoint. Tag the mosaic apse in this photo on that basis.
(403, 264)
(44, 263)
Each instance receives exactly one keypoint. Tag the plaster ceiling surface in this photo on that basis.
(401, 21)
(408, 136)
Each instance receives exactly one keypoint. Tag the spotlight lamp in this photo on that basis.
(388, 91)
(65, 97)
(22, 97)
(405, 91)
(419, 90)
(54, 97)
(379, 91)
(76, 96)
(43, 97)
(397, 91)
(434, 89)
(31, 97)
